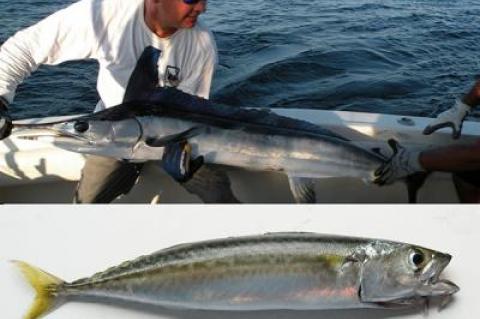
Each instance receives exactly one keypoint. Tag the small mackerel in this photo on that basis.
(272, 271)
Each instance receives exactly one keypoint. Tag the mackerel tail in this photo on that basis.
(47, 287)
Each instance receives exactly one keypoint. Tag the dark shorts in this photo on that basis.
(104, 179)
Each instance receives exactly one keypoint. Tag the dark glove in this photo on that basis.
(177, 162)
(5, 120)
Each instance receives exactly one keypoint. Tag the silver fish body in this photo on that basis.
(268, 272)
(311, 156)
(273, 271)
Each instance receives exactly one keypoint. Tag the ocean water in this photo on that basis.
(392, 56)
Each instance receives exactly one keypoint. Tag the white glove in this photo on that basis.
(452, 117)
(403, 162)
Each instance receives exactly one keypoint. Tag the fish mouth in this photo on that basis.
(443, 287)
(432, 285)
(432, 271)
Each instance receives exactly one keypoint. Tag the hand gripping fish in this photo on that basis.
(295, 271)
(153, 118)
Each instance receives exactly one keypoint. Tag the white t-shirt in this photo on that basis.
(114, 33)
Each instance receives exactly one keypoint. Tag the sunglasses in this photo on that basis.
(192, 1)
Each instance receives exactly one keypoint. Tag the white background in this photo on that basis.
(76, 241)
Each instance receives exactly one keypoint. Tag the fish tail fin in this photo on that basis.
(46, 287)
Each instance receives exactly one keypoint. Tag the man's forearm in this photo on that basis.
(454, 158)
(472, 98)
(15, 65)
(58, 38)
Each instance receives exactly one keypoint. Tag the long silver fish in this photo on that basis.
(151, 117)
(272, 271)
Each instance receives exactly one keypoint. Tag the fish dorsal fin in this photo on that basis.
(144, 77)
(302, 189)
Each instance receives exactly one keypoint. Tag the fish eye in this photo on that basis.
(81, 126)
(416, 258)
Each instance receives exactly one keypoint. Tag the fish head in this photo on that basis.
(403, 274)
(90, 136)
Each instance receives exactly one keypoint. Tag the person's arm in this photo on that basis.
(404, 162)
(66, 35)
(453, 158)
(472, 98)
(454, 116)
(199, 79)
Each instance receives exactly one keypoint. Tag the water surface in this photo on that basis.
(390, 56)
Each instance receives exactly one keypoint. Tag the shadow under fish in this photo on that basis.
(153, 119)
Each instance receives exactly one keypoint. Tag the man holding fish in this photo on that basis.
(115, 33)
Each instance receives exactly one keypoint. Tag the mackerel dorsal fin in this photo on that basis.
(302, 189)
(144, 77)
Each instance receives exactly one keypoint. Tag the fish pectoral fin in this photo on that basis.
(174, 138)
(352, 259)
(303, 189)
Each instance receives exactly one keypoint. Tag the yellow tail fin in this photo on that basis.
(46, 287)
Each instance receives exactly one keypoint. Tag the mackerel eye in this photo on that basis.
(81, 126)
(416, 259)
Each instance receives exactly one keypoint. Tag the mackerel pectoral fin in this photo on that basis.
(302, 189)
(174, 138)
